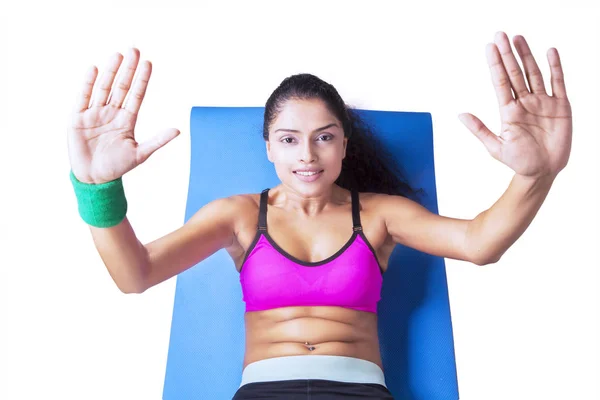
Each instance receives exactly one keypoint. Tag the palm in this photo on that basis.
(104, 139)
(536, 129)
(102, 145)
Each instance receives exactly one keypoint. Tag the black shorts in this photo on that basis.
(312, 389)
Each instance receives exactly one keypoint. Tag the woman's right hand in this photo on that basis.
(101, 139)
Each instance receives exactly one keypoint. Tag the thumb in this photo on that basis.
(478, 128)
(147, 148)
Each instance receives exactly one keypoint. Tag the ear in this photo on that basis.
(345, 146)
(268, 146)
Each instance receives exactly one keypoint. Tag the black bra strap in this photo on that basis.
(262, 214)
(355, 212)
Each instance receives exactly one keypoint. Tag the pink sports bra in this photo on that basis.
(272, 278)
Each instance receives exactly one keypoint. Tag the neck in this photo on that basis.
(288, 198)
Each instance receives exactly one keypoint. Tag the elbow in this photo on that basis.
(479, 248)
(485, 259)
(481, 254)
(137, 282)
(127, 290)
(135, 287)
(130, 289)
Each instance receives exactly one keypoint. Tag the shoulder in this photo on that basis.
(382, 201)
(386, 206)
(233, 207)
(243, 200)
(240, 202)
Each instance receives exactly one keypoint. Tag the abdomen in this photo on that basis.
(328, 330)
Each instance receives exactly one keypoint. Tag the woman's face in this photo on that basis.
(307, 145)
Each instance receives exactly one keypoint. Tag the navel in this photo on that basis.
(310, 348)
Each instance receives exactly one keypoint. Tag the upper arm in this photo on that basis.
(412, 225)
(210, 229)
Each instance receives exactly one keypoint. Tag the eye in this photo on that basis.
(287, 140)
(326, 137)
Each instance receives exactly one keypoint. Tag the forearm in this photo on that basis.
(123, 254)
(493, 231)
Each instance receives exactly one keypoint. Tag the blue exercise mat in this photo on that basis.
(207, 342)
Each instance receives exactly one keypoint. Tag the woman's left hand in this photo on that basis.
(536, 129)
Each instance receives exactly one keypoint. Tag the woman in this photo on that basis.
(311, 251)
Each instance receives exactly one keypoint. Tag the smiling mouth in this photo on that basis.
(308, 173)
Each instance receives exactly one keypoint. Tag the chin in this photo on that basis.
(310, 189)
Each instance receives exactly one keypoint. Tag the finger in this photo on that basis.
(500, 78)
(557, 78)
(124, 82)
(83, 99)
(517, 80)
(532, 71)
(487, 137)
(136, 95)
(106, 82)
(147, 148)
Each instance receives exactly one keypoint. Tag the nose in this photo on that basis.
(308, 153)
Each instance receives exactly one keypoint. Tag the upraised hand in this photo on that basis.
(536, 129)
(101, 139)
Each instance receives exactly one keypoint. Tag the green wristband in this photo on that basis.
(101, 205)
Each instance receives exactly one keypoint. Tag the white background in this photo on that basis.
(524, 328)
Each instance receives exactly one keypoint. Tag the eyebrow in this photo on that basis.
(316, 130)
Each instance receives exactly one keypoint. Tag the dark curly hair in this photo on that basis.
(367, 167)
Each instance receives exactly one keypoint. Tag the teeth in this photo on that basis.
(306, 173)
